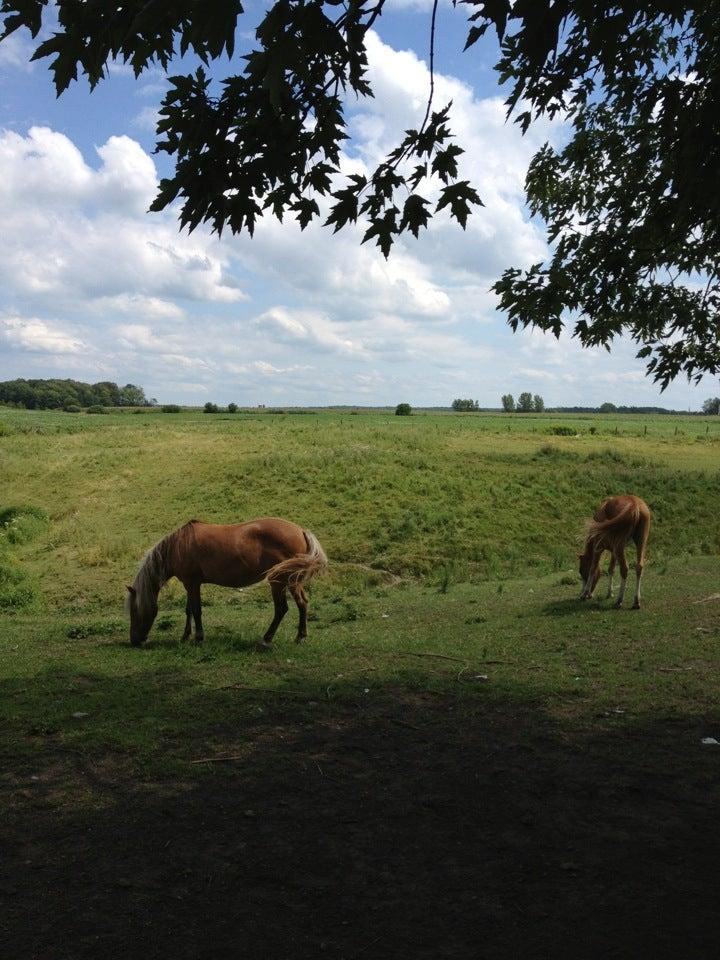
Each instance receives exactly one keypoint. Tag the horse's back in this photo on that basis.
(623, 503)
(238, 554)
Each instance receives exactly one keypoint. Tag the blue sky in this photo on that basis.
(94, 287)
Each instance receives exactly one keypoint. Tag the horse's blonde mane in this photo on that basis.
(152, 575)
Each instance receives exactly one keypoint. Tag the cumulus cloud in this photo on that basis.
(39, 336)
(79, 233)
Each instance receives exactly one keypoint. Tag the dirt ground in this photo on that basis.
(414, 827)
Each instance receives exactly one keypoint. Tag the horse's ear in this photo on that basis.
(131, 591)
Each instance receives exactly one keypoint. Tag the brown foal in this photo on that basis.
(617, 521)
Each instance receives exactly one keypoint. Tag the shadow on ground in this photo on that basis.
(397, 824)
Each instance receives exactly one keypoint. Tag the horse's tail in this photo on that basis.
(619, 527)
(304, 566)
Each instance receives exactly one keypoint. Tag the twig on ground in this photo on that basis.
(435, 656)
(217, 759)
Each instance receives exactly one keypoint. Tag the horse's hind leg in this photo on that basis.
(300, 598)
(277, 589)
(640, 543)
(623, 577)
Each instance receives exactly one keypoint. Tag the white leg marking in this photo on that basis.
(621, 594)
(636, 601)
(610, 583)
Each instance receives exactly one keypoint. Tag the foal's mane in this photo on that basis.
(157, 566)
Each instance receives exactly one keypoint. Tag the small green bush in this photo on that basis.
(170, 408)
(211, 408)
(72, 408)
(563, 431)
(232, 408)
(96, 408)
(16, 591)
(403, 410)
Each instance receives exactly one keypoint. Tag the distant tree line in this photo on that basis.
(463, 406)
(526, 403)
(60, 394)
(214, 408)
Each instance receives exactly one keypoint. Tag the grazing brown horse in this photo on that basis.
(231, 555)
(617, 521)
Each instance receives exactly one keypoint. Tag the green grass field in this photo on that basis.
(447, 629)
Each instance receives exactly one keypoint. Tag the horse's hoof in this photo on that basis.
(636, 606)
(300, 639)
(617, 605)
(264, 645)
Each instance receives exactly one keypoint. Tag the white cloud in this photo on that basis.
(76, 233)
(39, 336)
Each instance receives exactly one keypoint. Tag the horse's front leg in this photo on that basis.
(188, 617)
(195, 604)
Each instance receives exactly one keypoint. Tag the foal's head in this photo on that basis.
(590, 566)
(142, 616)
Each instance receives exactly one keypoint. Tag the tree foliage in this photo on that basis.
(508, 403)
(465, 406)
(630, 199)
(403, 410)
(525, 403)
(712, 405)
(538, 403)
(61, 394)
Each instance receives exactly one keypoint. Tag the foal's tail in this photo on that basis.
(620, 527)
(304, 566)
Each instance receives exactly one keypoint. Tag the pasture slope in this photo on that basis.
(463, 761)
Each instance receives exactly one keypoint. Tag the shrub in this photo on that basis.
(16, 591)
(72, 408)
(232, 408)
(563, 431)
(21, 524)
(170, 408)
(403, 410)
(211, 408)
(95, 408)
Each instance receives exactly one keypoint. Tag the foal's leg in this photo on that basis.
(300, 598)
(281, 607)
(611, 571)
(623, 577)
(640, 543)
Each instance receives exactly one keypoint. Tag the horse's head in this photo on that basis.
(141, 618)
